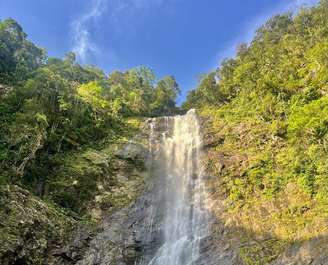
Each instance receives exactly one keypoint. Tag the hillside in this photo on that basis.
(99, 168)
(63, 129)
(266, 123)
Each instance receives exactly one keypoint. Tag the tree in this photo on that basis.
(18, 56)
(165, 94)
(52, 106)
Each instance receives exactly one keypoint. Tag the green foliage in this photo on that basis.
(264, 253)
(29, 226)
(309, 121)
(139, 94)
(51, 107)
(287, 58)
(91, 93)
(165, 94)
(268, 106)
(18, 56)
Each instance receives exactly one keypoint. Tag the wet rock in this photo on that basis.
(134, 152)
(124, 239)
(214, 251)
(311, 252)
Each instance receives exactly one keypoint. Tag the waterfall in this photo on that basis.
(181, 190)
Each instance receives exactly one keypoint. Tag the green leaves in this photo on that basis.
(309, 121)
(92, 93)
(41, 119)
(51, 106)
(140, 94)
(268, 110)
(164, 96)
(19, 57)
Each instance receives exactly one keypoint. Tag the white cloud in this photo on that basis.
(82, 43)
(121, 17)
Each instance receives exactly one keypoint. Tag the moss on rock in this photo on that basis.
(29, 227)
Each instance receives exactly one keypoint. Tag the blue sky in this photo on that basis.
(184, 38)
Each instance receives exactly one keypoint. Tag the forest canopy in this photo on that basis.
(268, 105)
(50, 106)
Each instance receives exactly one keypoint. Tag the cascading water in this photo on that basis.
(182, 193)
(171, 222)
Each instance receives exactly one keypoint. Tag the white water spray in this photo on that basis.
(185, 219)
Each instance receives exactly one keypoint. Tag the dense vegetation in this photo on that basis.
(51, 108)
(266, 115)
(269, 112)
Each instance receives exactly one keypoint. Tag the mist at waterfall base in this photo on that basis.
(175, 156)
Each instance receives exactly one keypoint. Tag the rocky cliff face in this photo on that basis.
(134, 234)
(128, 202)
(312, 252)
(36, 232)
(117, 239)
(129, 209)
(131, 235)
